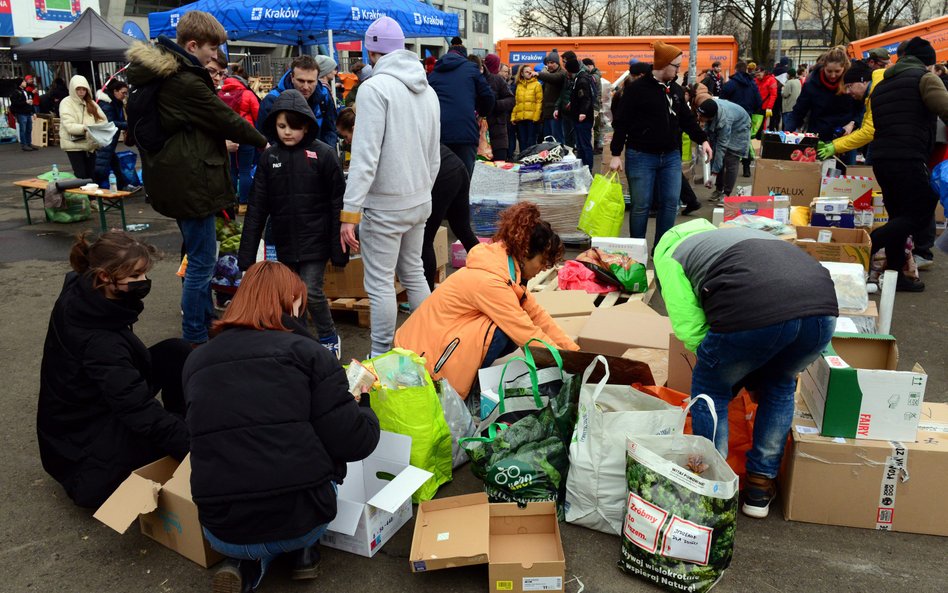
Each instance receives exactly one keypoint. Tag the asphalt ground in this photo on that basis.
(49, 545)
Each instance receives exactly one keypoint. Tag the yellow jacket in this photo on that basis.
(529, 104)
(866, 131)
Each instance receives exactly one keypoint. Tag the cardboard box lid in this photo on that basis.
(566, 303)
(524, 536)
(616, 330)
(138, 494)
(451, 532)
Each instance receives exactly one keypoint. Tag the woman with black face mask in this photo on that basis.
(98, 418)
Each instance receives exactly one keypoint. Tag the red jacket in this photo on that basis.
(768, 91)
(241, 99)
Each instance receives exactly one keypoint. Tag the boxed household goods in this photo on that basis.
(637, 249)
(613, 330)
(459, 254)
(864, 171)
(873, 484)
(853, 390)
(833, 212)
(159, 496)
(374, 500)
(836, 244)
(788, 146)
(858, 189)
(799, 181)
(521, 546)
(770, 206)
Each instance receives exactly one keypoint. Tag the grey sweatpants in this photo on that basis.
(391, 242)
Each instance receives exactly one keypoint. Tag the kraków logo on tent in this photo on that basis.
(258, 13)
(174, 20)
(366, 14)
(426, 19)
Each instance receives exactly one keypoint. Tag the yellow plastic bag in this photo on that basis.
(604, 209)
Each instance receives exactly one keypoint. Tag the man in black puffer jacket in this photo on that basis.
(299, 187)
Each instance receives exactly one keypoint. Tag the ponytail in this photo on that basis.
(79, 254)
(115, 254)
(837, 55)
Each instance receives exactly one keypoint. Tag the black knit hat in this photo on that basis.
(858, 71)
(921, 49)
(708, 109)
(639, 68)
(572, 65)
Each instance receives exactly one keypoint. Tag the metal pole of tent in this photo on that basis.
(693, 55)
(332, 50)
(779, 31)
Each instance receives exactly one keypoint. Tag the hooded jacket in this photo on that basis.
(453, 328)
(190, 176)
(98, 418)
(74, 117)
(826, 108)
(767, 87)
(529, 100)
(500, 115)
(273, 424)
(396, 148)
(742, 89)
(725, 280)
(464, 96)
(235, 93)
(114, 111)
(790, 93)
(730, 130)
(286, 82)
(553, 83)
(299, 189)
(652, 118)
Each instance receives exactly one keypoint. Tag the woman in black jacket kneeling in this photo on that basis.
(97, 418)
(273, 427)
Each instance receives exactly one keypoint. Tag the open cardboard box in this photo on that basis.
(851, 246)
(854, 390)
(797, 180)
(159, 496)
(614, 330)
(522, 546)
(374, 500)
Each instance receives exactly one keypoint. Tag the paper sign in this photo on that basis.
(687, 541)
(643, 522)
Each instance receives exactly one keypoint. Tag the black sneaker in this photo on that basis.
(690, 208)
(758, 492)
(236, 576)
(906, 284)
(306, 563)
(747, 170)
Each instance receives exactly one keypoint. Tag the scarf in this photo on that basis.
(830, 85)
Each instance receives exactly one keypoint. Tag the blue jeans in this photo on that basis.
(786, 121)
(264, 552)
(25, 123)
(467, 153)
(500, 345)
(764, 361)
(526, 134)
(241, 166)
(650, 172)
(200, 244)
(583, 134)
(553, 127)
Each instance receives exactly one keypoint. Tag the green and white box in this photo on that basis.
(854, 390)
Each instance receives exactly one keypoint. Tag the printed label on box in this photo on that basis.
(685, 540)
(895, 470)
(643, 523)
(504, 586)
(542, 583)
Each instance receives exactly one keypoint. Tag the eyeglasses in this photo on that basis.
(676, 66)
(215, 73)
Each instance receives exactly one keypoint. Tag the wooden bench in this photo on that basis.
(106, 200)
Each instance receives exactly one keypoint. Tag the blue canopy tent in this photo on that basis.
(310, 22)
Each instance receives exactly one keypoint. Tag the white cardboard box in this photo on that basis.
(370, 508)
(637, 249)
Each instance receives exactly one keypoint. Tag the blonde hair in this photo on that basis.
(837, 55)
(200, 27)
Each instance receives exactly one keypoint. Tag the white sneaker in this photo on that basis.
(334, 347)
(923, 264)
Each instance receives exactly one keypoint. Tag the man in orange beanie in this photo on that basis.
(653, 115)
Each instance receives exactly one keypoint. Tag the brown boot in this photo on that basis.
(758, 492)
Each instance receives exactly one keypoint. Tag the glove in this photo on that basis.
(825, 150)
(770, 112)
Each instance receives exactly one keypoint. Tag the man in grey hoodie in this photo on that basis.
(396, 155)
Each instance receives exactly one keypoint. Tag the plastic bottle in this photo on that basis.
(113, 182)
(55, 172)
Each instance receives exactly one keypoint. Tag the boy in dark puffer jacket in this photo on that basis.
(299, 186)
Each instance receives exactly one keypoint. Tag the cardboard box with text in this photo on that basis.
(798, 181)
(851, 246)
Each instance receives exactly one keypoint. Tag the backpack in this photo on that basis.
(144, 124)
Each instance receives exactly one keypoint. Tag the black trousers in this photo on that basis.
(167, 363)
(82, 163)
(450, 200)
(910, 200)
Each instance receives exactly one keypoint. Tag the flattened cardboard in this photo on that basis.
(571, 326)
(835, 481)
(655, 358)
(441, 246)
(449, 532)
(798, 181)
(526, 550)
(681, 364)
(852, 246)
(864, 171)
(614, 330)
(566, 303)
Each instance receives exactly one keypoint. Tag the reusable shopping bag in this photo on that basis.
(604, 209)
(75, 208)
(406, 403)
(596, 487)
(681, 513)
(459, 420)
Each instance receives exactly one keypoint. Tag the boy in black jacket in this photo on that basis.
(580, 109)
(299, 186)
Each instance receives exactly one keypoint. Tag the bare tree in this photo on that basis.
(759, 16)
(857, 19)
(559, 18)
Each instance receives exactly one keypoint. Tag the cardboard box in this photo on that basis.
(854, 391)
(681, 364)
(856, 189)
(637, 249)
(865, 321)
(521, 546)
(773, 148)
(370, 508)
(798, 181)
(869, 484)
(851, 246)
(614, 330)
(864, 171)
(159, 496)
(571, 326)
(655, 358)
(348, 282)
(566, 303)
(774, 207)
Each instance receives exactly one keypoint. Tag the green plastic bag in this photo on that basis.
(75, 208)
(633, 277)
(407, 403)
(604, 209)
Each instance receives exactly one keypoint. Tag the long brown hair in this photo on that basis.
(526, 235)
(266, 293)
(115, 254)
(91, 107)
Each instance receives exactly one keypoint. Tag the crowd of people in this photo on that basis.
(265, 471)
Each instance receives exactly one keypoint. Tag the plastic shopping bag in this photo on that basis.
(576, 276)
(607, 415)
(75, 208)
(406, 403)
(681, 513)
(102, 133)
(459, 420)
(604, 209)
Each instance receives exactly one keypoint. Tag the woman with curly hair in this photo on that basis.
(484, 310)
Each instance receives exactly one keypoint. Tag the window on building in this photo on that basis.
(481, 22)
(462, 19)
(482, 2)
(146, 7)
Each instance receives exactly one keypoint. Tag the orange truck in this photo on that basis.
(934, 30)
(612, 54)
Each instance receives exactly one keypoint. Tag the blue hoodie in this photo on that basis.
(464, 96)
(742, 89)
(267, 104)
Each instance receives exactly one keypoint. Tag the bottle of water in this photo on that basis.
(55, 172)
(112, 182)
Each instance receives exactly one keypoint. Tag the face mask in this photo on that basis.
(137, 290)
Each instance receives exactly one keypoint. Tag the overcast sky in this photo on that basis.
(501, 20)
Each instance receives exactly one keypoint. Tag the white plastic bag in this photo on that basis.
(850, 283)
(102, 133)
(596, 486)
(459, 420)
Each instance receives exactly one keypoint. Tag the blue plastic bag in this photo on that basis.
(940, 182)
(128, 161)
